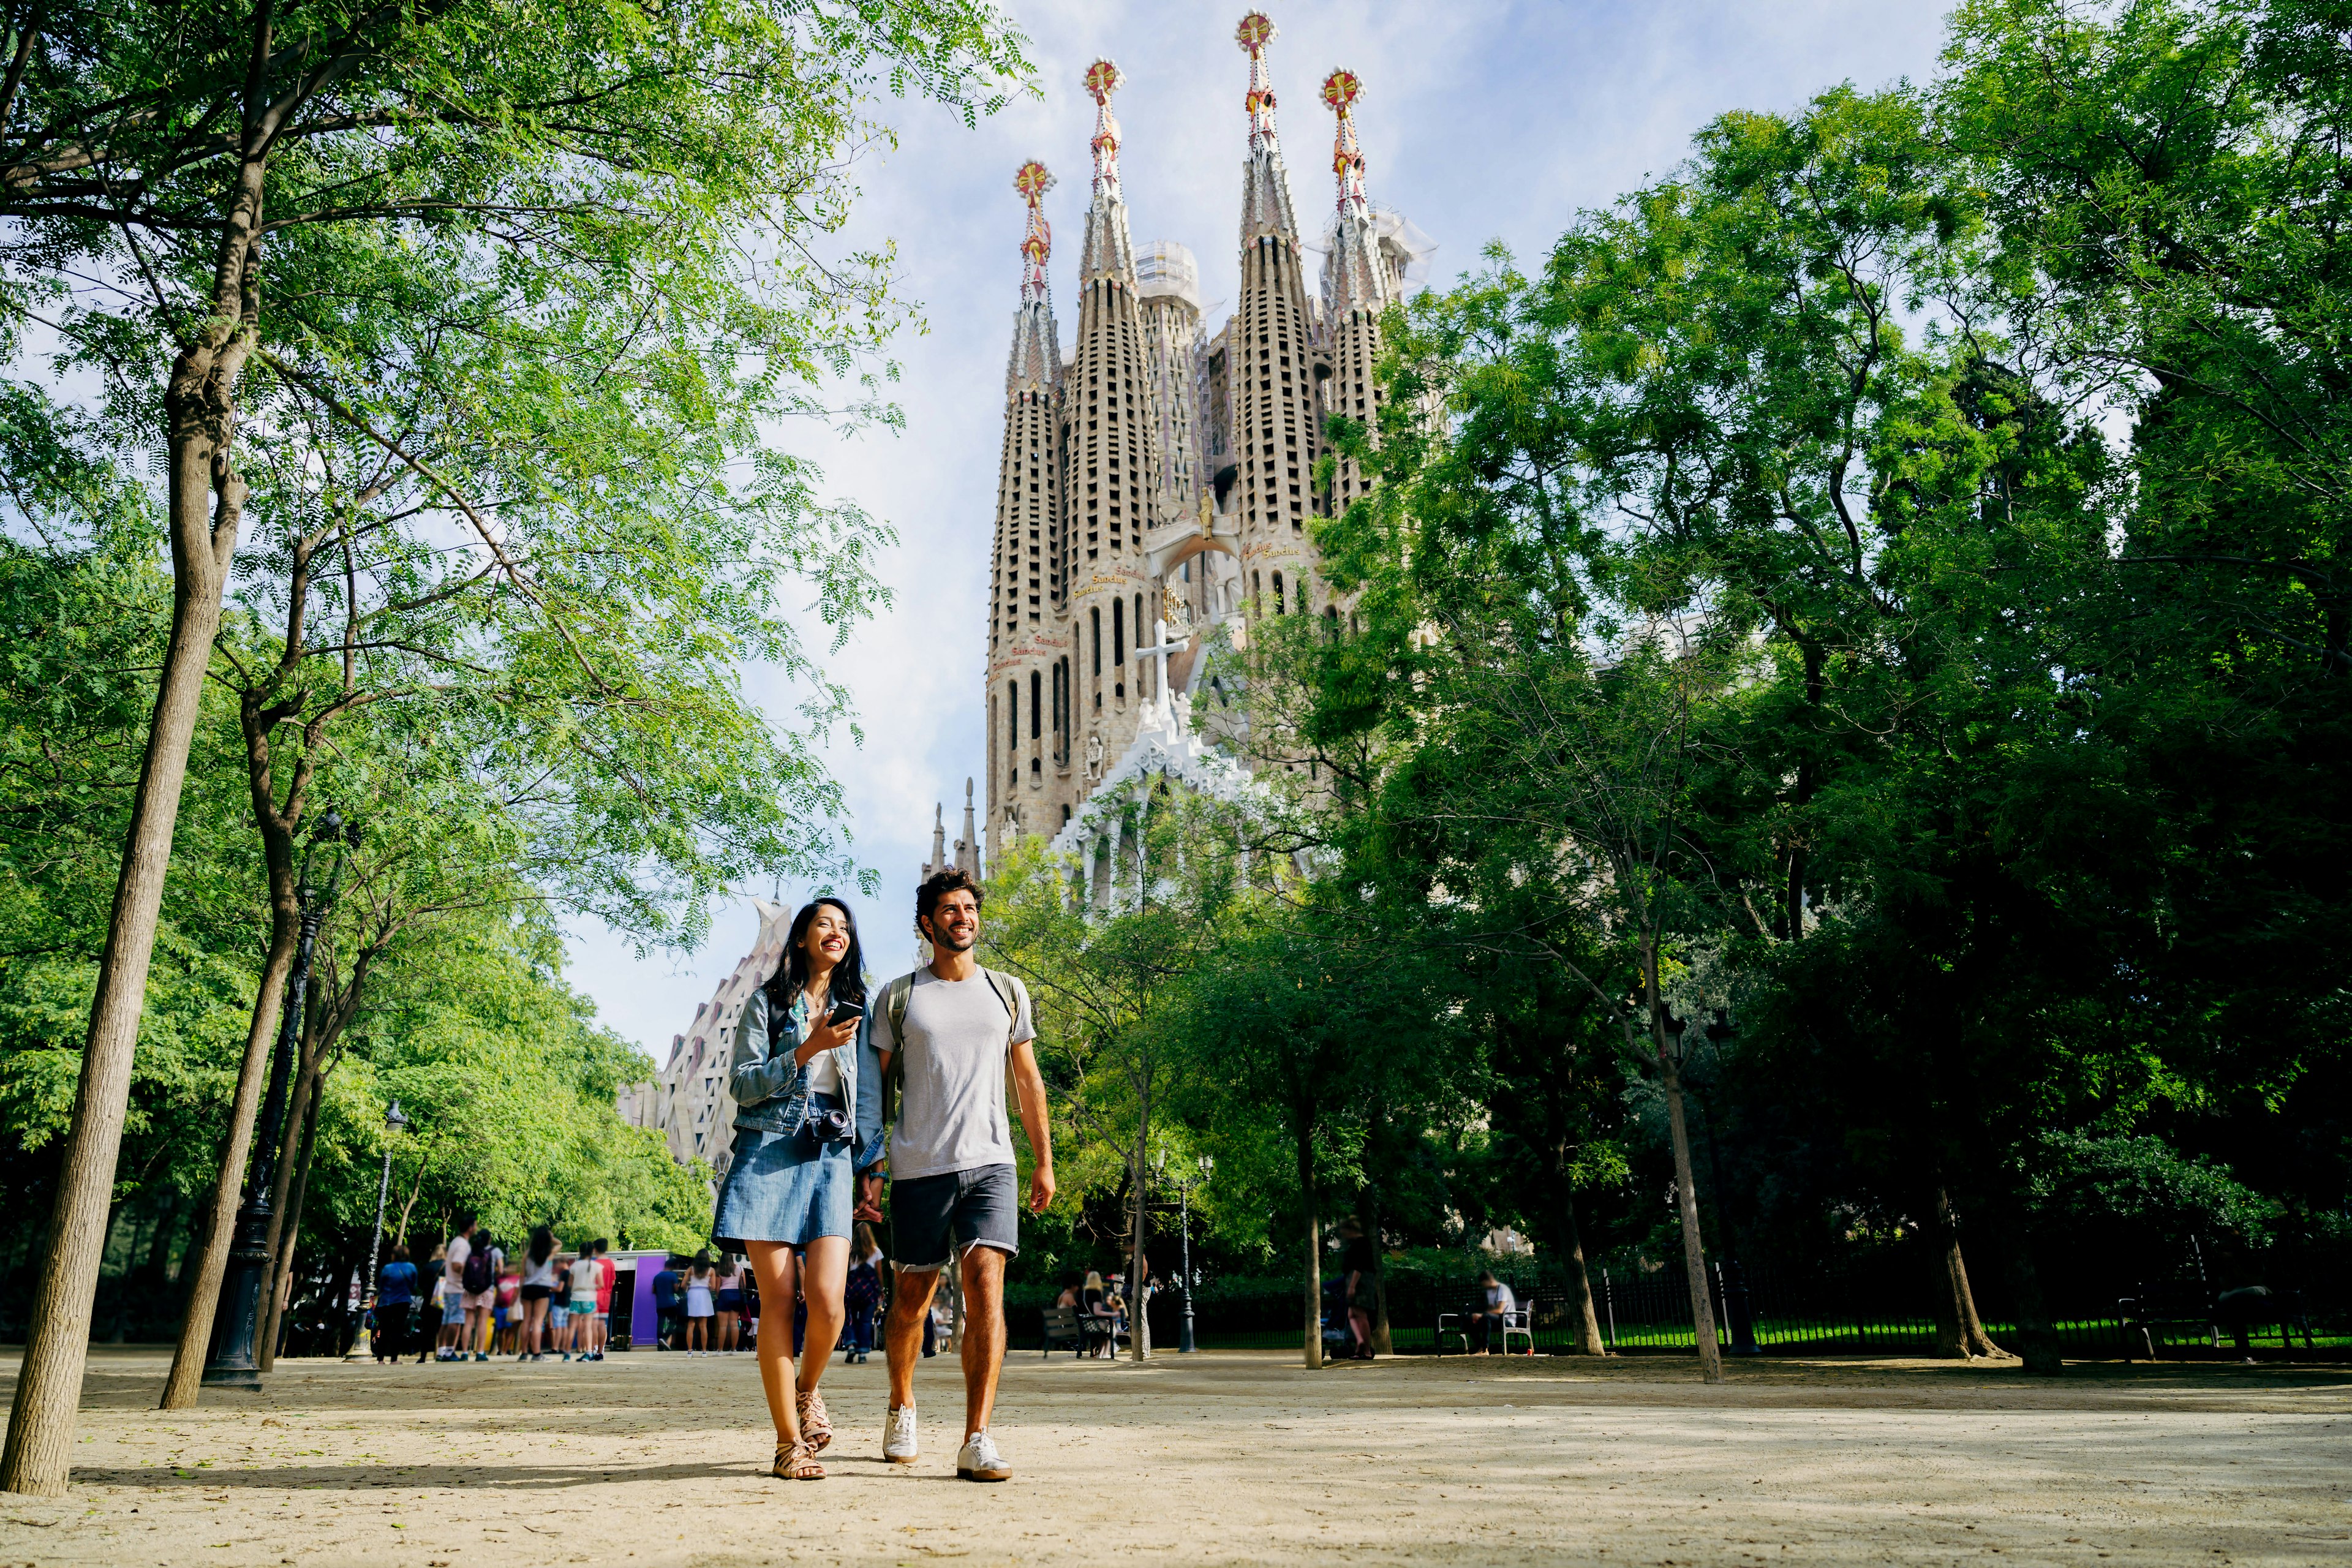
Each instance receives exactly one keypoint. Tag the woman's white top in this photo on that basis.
(824, 1071)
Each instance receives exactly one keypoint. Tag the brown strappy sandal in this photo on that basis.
(816, 1426)
(795, 1462)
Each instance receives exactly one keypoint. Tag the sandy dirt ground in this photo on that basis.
(659, 1461)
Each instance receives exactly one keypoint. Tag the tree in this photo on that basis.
(609, 155)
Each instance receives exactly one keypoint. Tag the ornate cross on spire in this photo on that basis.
(1340, 90)
(1256, 31)
(1102, 78)
(1032, 182)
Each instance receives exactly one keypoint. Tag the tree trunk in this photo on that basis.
(1710, 1355)
(286, 1220)
(209, 1255)
(1314, 1250)
(1584, 1322)
(280, 1197)
(2037, 1343)
(1967, 1329)
(1138, 1316)
(1370, 1217)
(206, 496)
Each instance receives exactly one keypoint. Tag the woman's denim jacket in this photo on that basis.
(771, 1090)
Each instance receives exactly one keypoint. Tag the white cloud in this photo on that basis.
(1480, 121)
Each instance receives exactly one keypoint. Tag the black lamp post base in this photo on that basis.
(232, 1377)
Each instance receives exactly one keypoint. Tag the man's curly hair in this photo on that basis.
(938, 886)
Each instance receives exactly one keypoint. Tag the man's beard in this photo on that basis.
(946, 942)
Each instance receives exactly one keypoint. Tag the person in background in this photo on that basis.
(1488, 1320)
(585, 1277)
(863, 1294)
(1069, 1296)
(607, 1271)
(395, 1293)
(429, 1280)
(1360, 1262)
(730, 1303)
(701, 1286)
(1096, 1319)
(665, 1305)
(509, 1310)
(559, 1308)
(459, 1251)
(480, 1280)
(537, 1285)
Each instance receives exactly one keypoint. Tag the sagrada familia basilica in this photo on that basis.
(1157, 482)
(1154, 487)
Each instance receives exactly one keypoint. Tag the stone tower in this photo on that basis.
(1269, 373)
(1161, 476)
(1359, 283)
(1026, 667)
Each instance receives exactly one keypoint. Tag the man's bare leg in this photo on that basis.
(902, 1332)
(982, 1347)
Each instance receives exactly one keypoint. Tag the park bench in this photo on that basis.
(2150, 1317)
(1520, 1321)
(1062, 1329)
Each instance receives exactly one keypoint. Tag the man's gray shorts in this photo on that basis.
(936, 1218)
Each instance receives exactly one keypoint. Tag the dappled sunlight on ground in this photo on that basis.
(1226, 1457)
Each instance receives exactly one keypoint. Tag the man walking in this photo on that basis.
(954, 1029)
(454, 1338)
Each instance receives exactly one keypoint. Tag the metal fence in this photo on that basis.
(1876, 1303)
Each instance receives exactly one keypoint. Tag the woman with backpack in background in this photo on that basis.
(800, 1045)
(480, 1280)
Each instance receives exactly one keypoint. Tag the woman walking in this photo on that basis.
(789, 1191)
(537, 1285)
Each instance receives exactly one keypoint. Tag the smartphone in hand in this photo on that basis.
(843, 1012)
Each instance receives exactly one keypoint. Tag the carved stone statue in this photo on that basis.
(1094, 758)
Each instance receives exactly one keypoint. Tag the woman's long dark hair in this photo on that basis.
(792, 975)
(543, 1242)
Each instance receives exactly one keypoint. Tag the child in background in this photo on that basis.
(586, 1278)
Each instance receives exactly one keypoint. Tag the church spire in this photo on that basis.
(1256, 31)
(1036, 345)
(1353, 276)
(1102, 78)
(1266, 188)
(1032, 182)
(1109, 249)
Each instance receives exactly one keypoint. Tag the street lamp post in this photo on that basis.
(234, 1360)
(363, 1345)
(1184, 1233)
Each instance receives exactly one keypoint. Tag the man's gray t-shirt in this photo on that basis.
(951, 1099)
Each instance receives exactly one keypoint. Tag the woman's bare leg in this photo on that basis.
(824, 1275)
(773, 1265)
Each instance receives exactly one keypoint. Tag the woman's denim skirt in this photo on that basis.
(784, 1186)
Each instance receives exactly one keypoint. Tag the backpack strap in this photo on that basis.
(1002, 984)
(894, 1007)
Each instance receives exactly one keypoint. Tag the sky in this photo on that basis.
(1479, 121)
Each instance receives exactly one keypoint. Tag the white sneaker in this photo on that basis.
(898, 1444)
(978, 1460)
